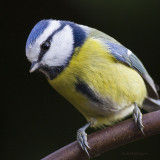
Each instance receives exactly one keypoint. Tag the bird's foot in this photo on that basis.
(82, 138)
(137, 116)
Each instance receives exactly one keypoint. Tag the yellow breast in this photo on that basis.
(108, 78)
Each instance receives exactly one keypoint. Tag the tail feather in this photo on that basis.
(151, 104)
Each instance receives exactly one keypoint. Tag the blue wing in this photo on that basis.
(125, 56)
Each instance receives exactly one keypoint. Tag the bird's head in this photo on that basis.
(51, 44)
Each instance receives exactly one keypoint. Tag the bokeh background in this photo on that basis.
(36, 119)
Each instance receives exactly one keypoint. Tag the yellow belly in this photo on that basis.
(108, 78)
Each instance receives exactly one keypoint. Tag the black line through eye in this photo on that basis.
(45, 46)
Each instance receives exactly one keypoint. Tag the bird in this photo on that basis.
(101, 78)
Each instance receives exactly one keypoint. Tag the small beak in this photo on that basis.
(34, 67)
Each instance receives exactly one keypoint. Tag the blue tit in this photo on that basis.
(100, 77)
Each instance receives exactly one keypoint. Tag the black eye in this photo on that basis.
(45, 46)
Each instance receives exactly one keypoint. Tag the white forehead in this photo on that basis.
(61, 48)
(33, 49)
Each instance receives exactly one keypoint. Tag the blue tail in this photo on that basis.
(151, 105)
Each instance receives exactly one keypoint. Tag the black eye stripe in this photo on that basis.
(43, 49)
(48, 40)
(45, 45)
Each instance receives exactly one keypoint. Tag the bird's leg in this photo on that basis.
(82, 137)
(137, 116)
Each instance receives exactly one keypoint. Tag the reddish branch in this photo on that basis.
(109, 138)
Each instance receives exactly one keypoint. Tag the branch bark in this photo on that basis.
(109, 138)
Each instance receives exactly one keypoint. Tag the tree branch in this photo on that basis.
(109, 138)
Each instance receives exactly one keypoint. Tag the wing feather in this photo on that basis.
(125, 56)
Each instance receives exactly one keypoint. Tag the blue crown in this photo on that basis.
(37, 31)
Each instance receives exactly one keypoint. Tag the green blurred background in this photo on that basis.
(36, 119)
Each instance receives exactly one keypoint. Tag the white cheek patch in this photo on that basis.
(61, 48)
(33, 50)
